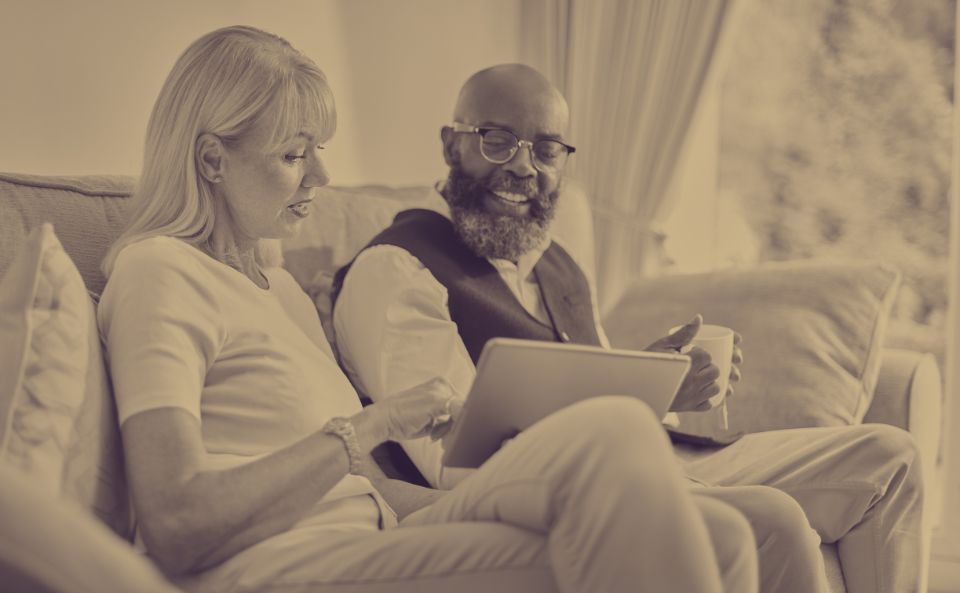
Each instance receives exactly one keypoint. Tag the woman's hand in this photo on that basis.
(427, 409)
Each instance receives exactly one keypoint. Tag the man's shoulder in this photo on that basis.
(424, 233)
(390, 259)
(416, 220)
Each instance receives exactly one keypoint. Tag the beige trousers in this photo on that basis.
(788, 548)
(859, 486)
(566, 506)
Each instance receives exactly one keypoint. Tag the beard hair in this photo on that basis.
(498, 236)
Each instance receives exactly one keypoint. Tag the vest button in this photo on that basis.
(564, 337)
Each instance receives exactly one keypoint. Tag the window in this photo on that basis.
(831, 132)
(836, 142)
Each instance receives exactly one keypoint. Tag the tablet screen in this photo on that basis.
(519, 382)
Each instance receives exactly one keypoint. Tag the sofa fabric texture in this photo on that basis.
(86, 212)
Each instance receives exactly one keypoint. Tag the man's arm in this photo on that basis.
(394, 332)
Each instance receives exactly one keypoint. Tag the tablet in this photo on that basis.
(521, 381)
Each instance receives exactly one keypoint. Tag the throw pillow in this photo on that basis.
(44, 321)
(93, 473)
(812, 334)
(58, 421)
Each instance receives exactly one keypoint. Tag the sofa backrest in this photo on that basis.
(88, 213)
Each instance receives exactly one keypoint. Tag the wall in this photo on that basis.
(80, 78)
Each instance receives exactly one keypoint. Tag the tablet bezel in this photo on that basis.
(491, 412)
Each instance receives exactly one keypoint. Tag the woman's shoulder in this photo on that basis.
(157, 263)
(158, 247)
(283, 281)
(155, 253)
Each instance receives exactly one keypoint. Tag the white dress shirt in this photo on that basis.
(394, 332)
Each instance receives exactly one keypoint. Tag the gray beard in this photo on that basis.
(491, 235)
(497, 236)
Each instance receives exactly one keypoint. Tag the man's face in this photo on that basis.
(500, 227)
(504, 210)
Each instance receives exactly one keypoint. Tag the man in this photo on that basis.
(422, 299)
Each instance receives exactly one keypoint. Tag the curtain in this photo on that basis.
(633, 72)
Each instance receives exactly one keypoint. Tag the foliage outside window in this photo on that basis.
(836, 141)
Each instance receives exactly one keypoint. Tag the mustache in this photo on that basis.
(466, 192)
(507, 182)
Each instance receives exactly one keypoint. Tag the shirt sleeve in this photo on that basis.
(394, 332)
(161, 327)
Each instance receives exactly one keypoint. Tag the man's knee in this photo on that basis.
(895, 449)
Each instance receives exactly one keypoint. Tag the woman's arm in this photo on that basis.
(191, 518)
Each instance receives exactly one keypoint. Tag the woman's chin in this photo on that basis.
(285, 228)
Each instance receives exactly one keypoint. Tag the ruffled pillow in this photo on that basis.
(44, 321)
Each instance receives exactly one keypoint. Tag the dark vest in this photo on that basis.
(480, 303)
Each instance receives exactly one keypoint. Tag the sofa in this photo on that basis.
(813, 337)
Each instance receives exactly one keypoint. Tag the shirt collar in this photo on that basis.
(527, 261)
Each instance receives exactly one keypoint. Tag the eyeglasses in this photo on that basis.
(499, 146)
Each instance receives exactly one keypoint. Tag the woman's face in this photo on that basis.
(268, 193)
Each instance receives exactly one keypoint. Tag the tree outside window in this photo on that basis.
(836, 141)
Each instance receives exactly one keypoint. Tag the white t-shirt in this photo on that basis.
(184, 330)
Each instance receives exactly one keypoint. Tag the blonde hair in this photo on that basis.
(225, 83)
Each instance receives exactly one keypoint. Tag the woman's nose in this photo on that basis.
(316, 173)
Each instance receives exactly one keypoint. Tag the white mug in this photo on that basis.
(717, 340)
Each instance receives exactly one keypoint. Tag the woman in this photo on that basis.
(246, 447)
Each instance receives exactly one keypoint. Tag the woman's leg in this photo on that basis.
(859, 486)
(475, 557)
(567, 506)
(788, 548)
(733, 544)
(598, 479)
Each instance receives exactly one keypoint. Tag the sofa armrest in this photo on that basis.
(52, 545)
(909, 394)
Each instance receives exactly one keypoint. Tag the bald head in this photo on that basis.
(514, 96)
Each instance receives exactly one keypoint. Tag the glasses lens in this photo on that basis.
(550, 153)
(498, 145)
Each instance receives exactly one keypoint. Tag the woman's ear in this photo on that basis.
(210, 157)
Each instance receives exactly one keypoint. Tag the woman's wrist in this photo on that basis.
(344, 430)
(370, 431)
